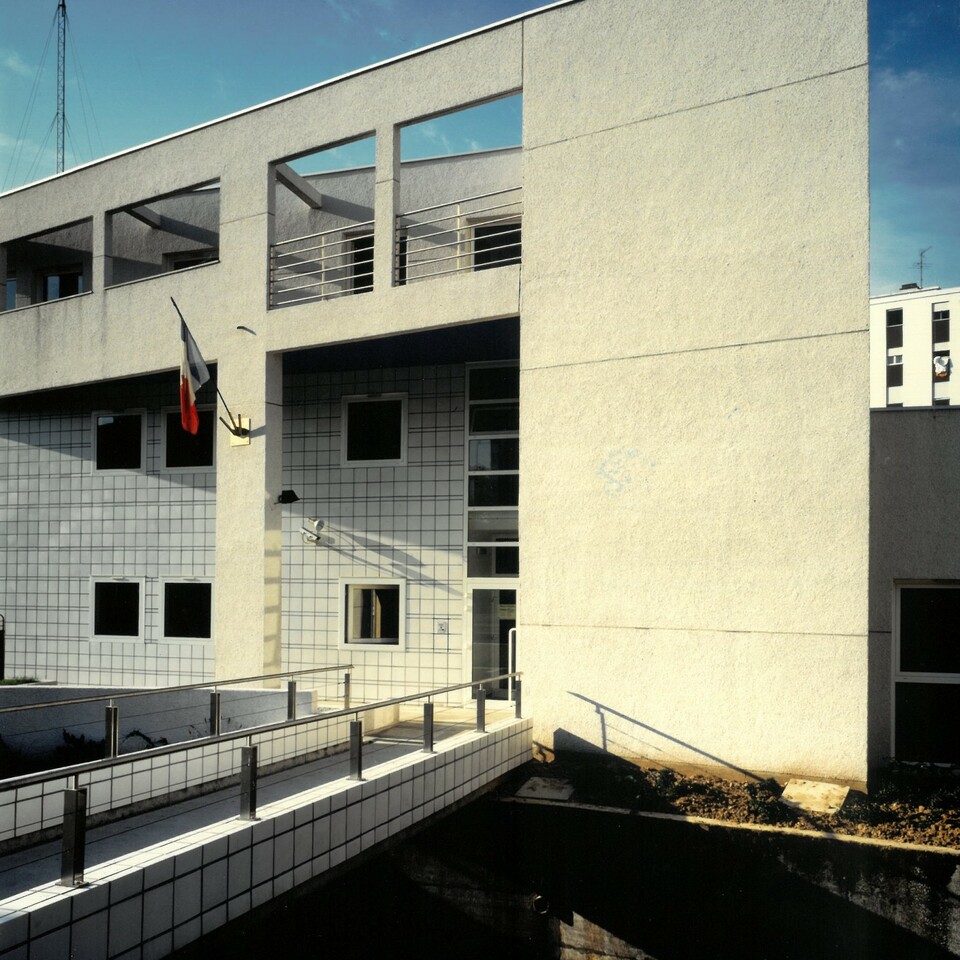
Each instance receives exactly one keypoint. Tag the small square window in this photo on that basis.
(117, 609)
(187, 451)
(374, 430)
(65, 282)
(119, 441)
(373, 613)
(187, 610)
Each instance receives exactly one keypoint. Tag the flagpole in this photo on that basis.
(233, 427)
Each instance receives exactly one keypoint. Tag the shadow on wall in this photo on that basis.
(626, 736)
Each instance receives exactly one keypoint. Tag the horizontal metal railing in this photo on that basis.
(74, 798)
(321, 266)
(473, 233)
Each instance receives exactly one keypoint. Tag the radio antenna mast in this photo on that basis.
(921, 262)
(61, 80)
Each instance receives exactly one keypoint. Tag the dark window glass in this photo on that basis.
(361, 249)
(495, 383)
(501, 454)
(927, 726)
(493, 561)
(186, 610)
(894, 328)
(930, 629)
(495, 245)
(894, 374)
(941, 401)
(373, 614)
(67, 283)
(116, 609)
(186, 449)
(374, 430)
(499, 490)
(119, 441)
(11, 301)
(495, 418)
(941, 330)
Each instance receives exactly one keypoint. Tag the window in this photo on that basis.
(374, 431)
(373, 613)
(941, 366)
(495, 245)
(186, 451)
(361, 265)
(400, 264)
(894, 329)
(941, 401)
(187, 610)
(66, 282)
(493, 471)
(11, 295)
(895, 371)
(941, 322)
(189, 258)
(119, 441)
(926, 672)
(117, 608)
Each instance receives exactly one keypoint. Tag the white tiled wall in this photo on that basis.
(62, 524)
(387, 522)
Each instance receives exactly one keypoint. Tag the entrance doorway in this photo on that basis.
(493, 620)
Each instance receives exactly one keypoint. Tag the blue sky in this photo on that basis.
(152, 67)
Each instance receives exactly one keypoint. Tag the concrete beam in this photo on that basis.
(298, 186)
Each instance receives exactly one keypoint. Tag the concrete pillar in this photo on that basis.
(102, 252)
(248, 595)
(387, 198)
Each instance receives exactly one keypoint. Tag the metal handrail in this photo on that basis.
(309, 236)
(62, 773)
(152, 691)
(451, 203)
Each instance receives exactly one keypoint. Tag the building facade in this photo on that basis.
(482, 411)
(910, 347)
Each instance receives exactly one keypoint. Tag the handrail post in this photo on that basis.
(428, 728)
(248, 783)
(346, 690)
(215, 713)
(481, 710)
(111, 735)
(73, 849)
(517, 708)
(291, 699)
(356, 750)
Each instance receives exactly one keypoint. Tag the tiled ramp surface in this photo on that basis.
(158, 881)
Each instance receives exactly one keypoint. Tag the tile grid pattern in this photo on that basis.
(146, 905)
(387, 522)
(63, 523)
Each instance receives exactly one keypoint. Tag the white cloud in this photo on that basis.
(895, 82)
(12, 61)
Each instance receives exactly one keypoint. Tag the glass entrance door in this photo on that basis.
(493, 618)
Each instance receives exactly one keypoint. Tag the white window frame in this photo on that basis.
(907, 676)
(164, 413)
(117, 638)
(161, 605)
(404, 429)
(136, 412)
(343, 617)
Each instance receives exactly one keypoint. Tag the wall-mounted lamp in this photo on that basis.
(288, 496)
(312, 535)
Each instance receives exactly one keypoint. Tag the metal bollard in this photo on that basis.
(291, 699)
(111, 736)
(73, 849)
(428, 728)
(517, 708)
(215, 713)
(248, 783)
(481, 710)
(356, 750)
(346, 691)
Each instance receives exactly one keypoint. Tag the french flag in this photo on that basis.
(193, 375)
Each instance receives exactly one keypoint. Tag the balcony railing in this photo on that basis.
(475, 233)
(321, 266)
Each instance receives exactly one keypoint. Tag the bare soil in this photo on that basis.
(909, 803)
